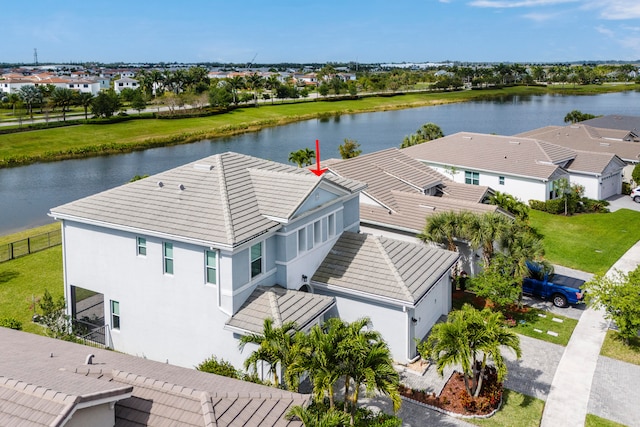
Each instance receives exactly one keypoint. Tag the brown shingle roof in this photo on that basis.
(382, 267)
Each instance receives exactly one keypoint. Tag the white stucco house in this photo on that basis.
(527, 168)
(125, 83)
(177, 266)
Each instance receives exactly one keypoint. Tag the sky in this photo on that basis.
(277, 31)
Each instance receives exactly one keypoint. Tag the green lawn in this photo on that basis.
(587, 242)
(615, 348)
(517, 410)
(24, 279)
(595, 421)
(92, 139)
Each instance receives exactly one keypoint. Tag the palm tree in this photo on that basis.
(84, 99)
(272, 84)
(255, 82)
(367, 361)
(63, 98)
(302, 157)
(445, 227)
(465, 335)
(495, 337)
(275, 347)
(30, 96)
(484, 231)
(235, 83)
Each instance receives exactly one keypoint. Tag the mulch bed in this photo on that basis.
(454, 397)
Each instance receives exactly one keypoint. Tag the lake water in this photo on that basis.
(27, 193)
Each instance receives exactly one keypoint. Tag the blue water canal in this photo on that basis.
(27, 193)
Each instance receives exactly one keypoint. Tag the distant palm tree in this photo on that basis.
(63, 98)
(302, 157)
(236, 83)
(84, 99)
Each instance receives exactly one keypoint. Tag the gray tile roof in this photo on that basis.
(586, 138)
(614, 121)
(500, 154)
(225, 199)
(162, 394)
(382, 267)
(412, 210)
(593, 163)
(282, 305)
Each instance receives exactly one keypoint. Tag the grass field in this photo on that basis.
(93, 139)
(24, 280)
(615, 348)
(587, 242)
(517, 410)
(595, 421)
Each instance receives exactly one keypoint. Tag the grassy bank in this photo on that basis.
(94, 139)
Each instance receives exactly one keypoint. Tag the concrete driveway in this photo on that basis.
(622, 201)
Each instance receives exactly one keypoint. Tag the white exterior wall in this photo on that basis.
(168, 318)
(523, 188)
(436, 303)
(590, 183)
(392, 323)
(103, 415)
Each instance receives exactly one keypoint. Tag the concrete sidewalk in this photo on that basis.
(568, 398)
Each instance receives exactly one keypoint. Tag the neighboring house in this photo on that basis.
(125, 83)
(617, 135)
(402, 193)
(11, 83)
(48, 382)
(529, 169)
(201, 254)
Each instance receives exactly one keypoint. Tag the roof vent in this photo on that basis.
(433, 208)
(605, 144)
(467, 137)
(160, 184)
(202, 167)
(181, 187)
(514, 142)
(89, 359)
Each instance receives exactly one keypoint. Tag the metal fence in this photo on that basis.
(30, 245)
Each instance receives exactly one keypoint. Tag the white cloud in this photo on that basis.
(615, 9)
(605, 31)
(541, 17)
(504, 4)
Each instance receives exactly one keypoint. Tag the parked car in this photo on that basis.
(635, 195)
(560, 289)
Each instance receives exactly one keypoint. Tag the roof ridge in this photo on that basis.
(226, 211)
(275, 307)
(143, 381)
(392, 266)
(208, 412)
(37, 390)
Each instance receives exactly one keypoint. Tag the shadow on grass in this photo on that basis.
(633, 343)
(526, 401)
(7, 276)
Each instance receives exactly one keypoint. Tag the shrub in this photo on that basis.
(626, 188)
(218, 367)
(11, 323)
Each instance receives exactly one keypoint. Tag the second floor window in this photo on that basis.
(142, 246)
(211, 266)
(168, 258)
(472, 178)
(256, 259)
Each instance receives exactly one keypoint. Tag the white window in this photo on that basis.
(211, 266)
(317, 232)
(332, 225)
(142, 246)
(115, 314)
(168, 257)
(472, 178)
(302, 240)
(256, 259)
(501, 180)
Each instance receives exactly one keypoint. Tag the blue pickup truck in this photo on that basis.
(562, 290)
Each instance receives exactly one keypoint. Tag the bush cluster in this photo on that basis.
(574, 205)
(11, 323)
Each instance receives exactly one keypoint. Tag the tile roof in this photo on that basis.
(412, 210)
(593, 163)
(161, 394)
(586, 138)
(222, 199)
(614, 121)
(501, 154)
(380, 267)
(282, 305)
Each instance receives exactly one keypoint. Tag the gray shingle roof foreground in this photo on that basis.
(41, 379)
(223, 199)
(382, 267)
(282, 305)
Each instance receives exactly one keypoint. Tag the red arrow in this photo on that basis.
(317, 170)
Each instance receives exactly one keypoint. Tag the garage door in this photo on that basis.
(610, 186)
(430, 310)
